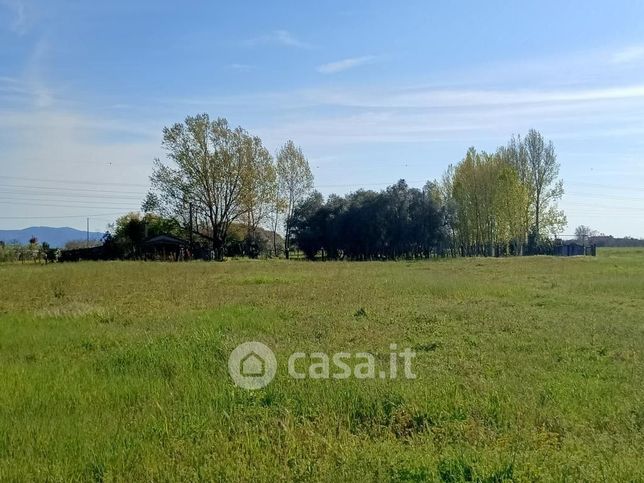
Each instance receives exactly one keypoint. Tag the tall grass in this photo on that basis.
(529, 368)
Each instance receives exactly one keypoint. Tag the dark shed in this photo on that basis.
(165, 247)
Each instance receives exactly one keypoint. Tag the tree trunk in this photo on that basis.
(287, 241)
(218, 248)
(537, 210)
(274, 243)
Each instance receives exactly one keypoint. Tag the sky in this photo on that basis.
(373, 91)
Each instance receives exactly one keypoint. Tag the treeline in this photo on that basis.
(609, 241)
(504, 202)
(397, 222)
(491, 204)
(219, 177)
(127, 235)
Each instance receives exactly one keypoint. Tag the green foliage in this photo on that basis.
(33, 252)
(399, 222)
(257, 244)
(131, 230)
(8, 252)
(488, 204)
(488, 196)
(504, 203)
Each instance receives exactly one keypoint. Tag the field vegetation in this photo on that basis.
(528, 368)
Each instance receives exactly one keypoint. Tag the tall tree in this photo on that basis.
(509, 193)
(514, 154)
(444, 198)
(489, 200)
(295, 182)
(308, 221)
(207, 187)
(543, 174)
(260, 189)
(278, 207)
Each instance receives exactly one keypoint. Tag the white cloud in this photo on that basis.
(278, 37)
(446, 98)
(579, 96)
(345, 64)
(429, 115)
(629, 55)
(422, 98)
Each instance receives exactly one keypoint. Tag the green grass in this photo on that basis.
(529, 368)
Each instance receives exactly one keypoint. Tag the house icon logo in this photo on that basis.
(252, 365)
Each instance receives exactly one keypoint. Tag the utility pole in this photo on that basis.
(87, 245)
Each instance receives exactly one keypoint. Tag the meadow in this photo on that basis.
(529, 368)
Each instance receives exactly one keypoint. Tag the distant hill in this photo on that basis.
(56, 237)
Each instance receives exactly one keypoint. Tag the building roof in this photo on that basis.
(165, 240)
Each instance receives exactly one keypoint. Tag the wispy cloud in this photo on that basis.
(8, 80)
(240, 67)
(13, 87)
(430, 98)
(19, 24)
(415, 98)
(582, 95)
(346, 64)
(42, 94)
(30, 87)
(630, 54)
(278, 37)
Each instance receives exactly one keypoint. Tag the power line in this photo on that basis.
(603, 196)
(77, 205)
(71, 195)
(57, 217)
(92, 198)
(68, 181)
(67, 199)
(606, 207)
(57, 188)
(147, 186)
(599, 185)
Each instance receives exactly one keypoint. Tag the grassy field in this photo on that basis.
(528, 369)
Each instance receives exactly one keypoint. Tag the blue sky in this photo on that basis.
(372, 91)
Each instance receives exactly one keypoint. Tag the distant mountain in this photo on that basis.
(56, 237)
